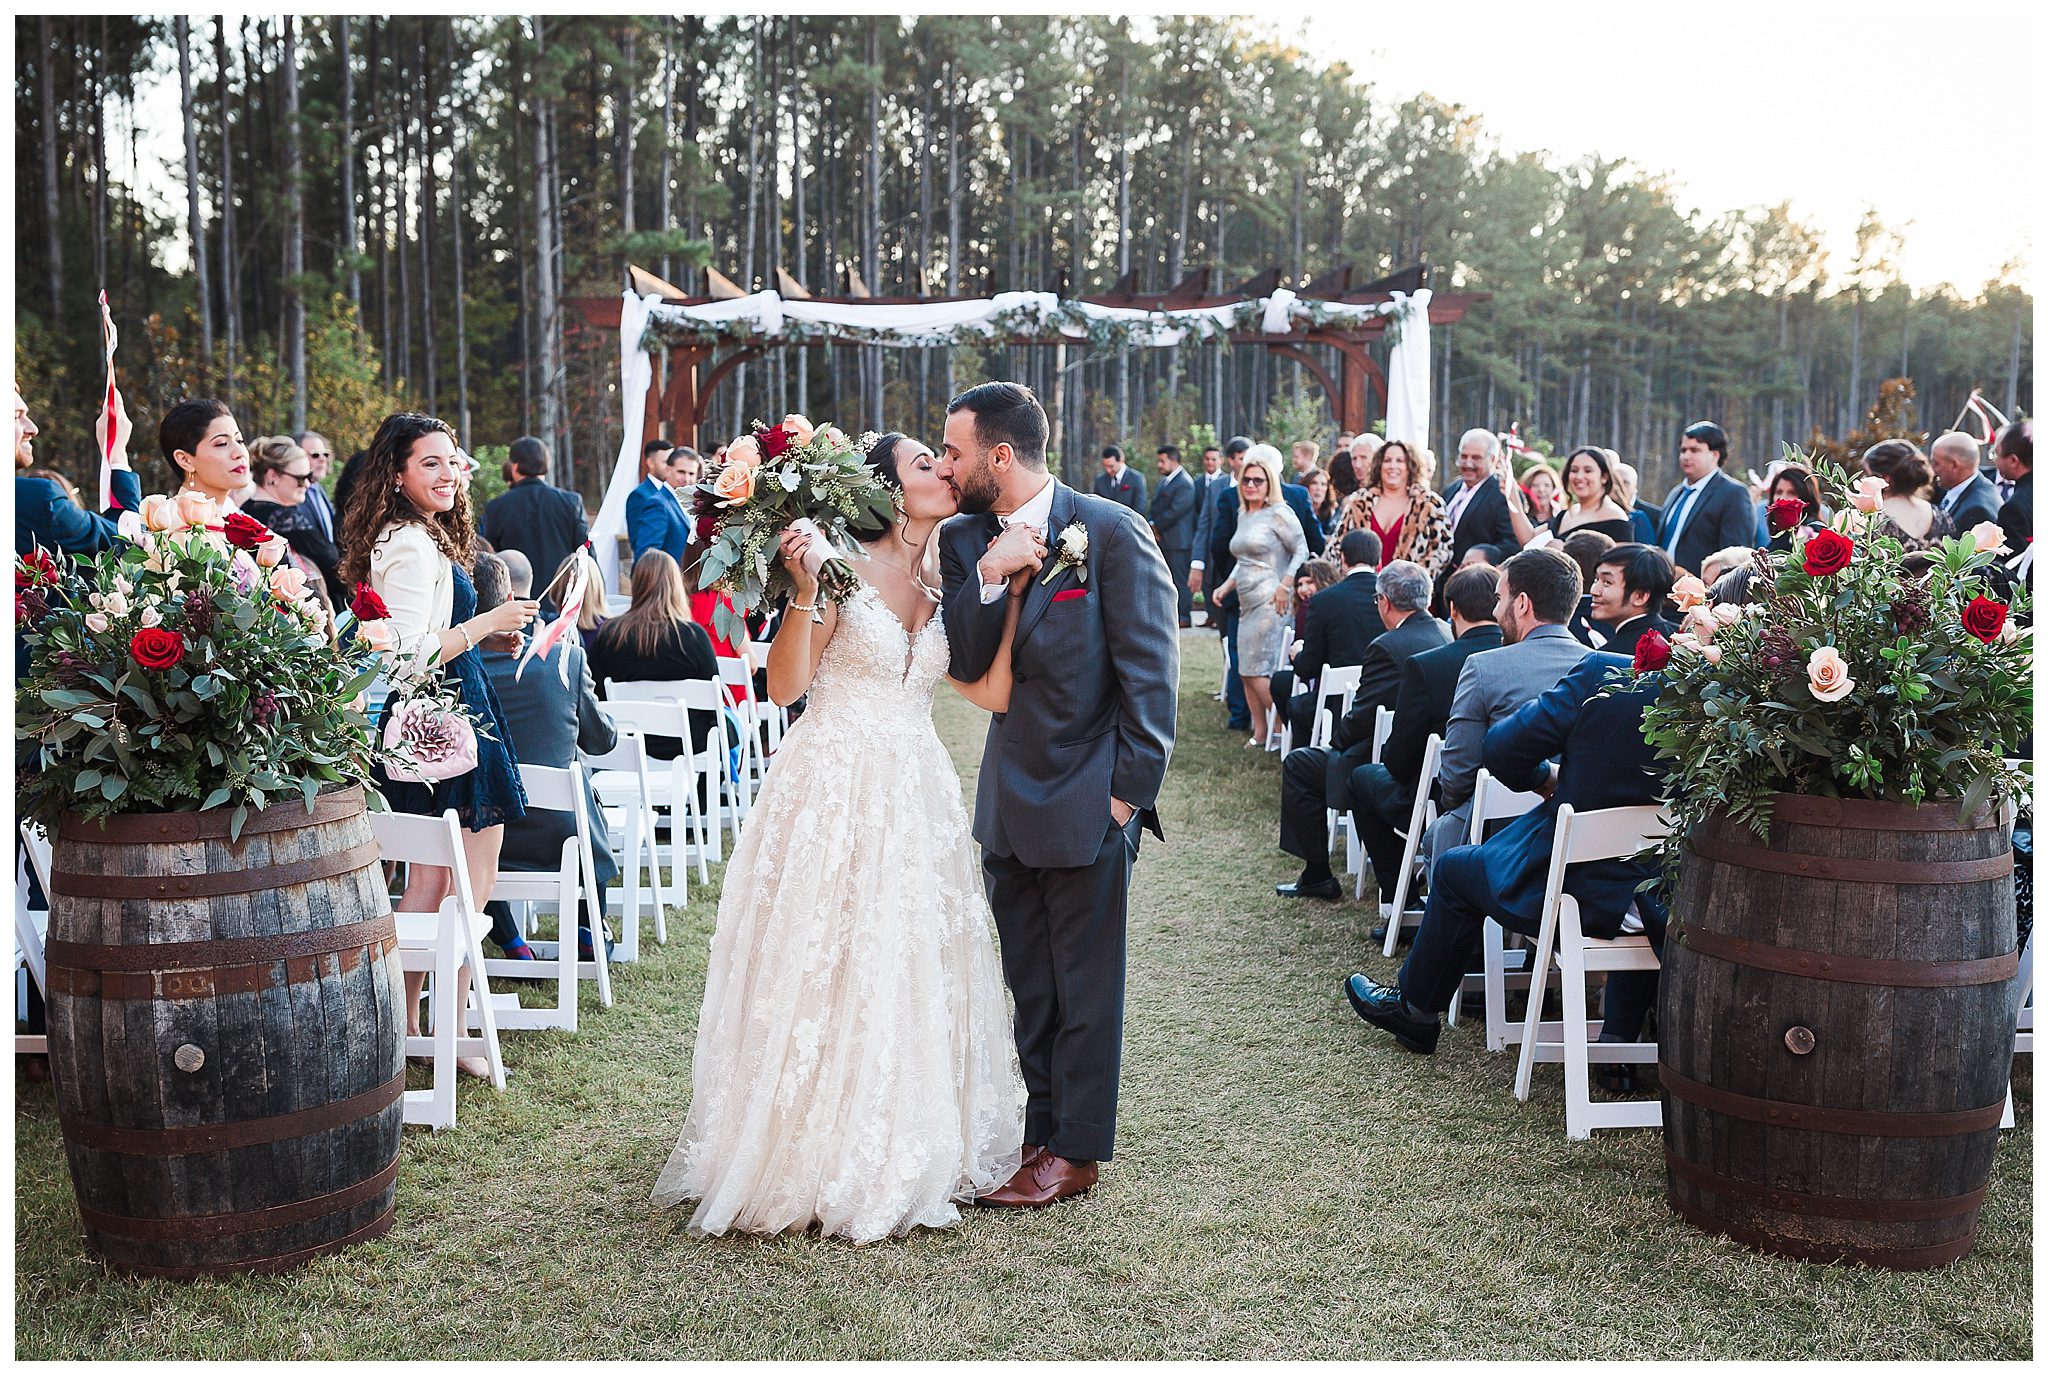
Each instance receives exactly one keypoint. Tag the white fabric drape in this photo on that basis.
(636, 375)
(1408, 369)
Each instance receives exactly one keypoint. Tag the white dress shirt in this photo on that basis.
(1034, 514)
(1685, 515)
(1460, 499)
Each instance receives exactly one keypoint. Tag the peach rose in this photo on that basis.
(1688, 592)
(1700, 623)
(198, 509)
(744, 451)
(1727, 613)
(799, 429)
(1868, 496)
(1711, 653)
(1989, 536)
(735, 484)
(287, 584)
(161, 513)
(378, 635)
(1827, 674)
(271, 552)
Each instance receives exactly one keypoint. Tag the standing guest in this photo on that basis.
(344, 491)
(1483, 556)
(657, 639)
(1343, 445)
(319, 459)
(1268, 546)
(1343, 482)
(408, 535)
(205, 447)
(1337, 626)
(1209, 485)
(1322, 498)
(1967, 496)
(1595, 730)
(1363, 447)
(1586, 548)
(1589, 480)
(1539, 485)
(1906, 515)
(1212, 564)
(1396, 504)
(1173, 525)
(1119, 481)
(1644, 519)
(1305, 454)
(284, 477)
(46, 515)
(541, 521)
(1709, 510)
(685, 468)
(1314, 780)
(2014, 454)
(1629, 588)
(1792, 482)
(655, 519)
(1476, 510)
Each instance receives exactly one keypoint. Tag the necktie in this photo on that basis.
(2004, 491)
(1674, 523)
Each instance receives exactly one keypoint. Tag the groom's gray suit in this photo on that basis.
(1097, 676)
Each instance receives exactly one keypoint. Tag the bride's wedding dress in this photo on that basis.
(855, 1064)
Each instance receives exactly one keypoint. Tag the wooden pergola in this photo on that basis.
(690, 371)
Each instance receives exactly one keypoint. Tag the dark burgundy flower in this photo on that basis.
(67, 668)
(1828, 552)
(774, 443)
(199, 611)
(263, 708)
(30, 606)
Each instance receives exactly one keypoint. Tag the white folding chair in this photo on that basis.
(616, 604)
(689, 776)
(1500, 967)
(776, 715)
(1615, 833)
(440, 944)
(1397, 915)
(727, 798)
(561, 889)
(2023, 1038)
(736, 676)
(31, 929)
(625, 790)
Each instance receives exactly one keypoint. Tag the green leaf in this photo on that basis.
(1974, 796)
(215, 799)
(112, 787)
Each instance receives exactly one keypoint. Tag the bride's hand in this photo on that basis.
(795, 544)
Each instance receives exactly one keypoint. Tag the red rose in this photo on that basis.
(1653, 652)
(707, 526)
(367, 605)
(157, 648)
(774, 442)
(34, 569)
(1828, 552)
(1984, 618)
(244, 532)
(1786, 513)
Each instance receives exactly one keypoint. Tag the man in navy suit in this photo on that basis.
(1708, 511)
(1966, 494)
(1630, 583)
(1119, 482)
(543, 522)
(1604, 763)
(45, 515)
(655, 519)
(1175, 503)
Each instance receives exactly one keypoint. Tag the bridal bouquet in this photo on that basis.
(789, 474)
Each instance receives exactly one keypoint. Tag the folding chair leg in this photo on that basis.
(2008, 1120)
(1578, 1097)
(604, 965)
(629, 904)
(487, 1017)
(1532, 1021)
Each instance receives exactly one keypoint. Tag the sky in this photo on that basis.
(1834, 107)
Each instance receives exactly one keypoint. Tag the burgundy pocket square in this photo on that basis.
(1069, 595)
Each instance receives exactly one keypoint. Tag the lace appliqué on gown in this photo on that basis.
(855, 1064)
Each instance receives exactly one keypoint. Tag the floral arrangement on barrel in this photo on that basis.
(1852, 670)
(773, 478)
(188, 668)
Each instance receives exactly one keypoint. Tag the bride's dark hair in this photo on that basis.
(882, 459)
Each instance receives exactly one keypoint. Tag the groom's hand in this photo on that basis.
(1019, 549)
(1121, 811)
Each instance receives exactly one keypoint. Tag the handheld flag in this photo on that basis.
(108, 337)
(544, 641)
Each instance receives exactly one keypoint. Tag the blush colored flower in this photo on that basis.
(745, 450)
(1711, 653)
(1868, 495)
(198, 509)
(1827, 674)
(798, 428)
(287, 584)
(160, 513)
(97, 622)
(735, 484)
(271, 552)
(1688, 592)
(1988, 536)
(150, 617)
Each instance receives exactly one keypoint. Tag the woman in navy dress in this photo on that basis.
(410, 536)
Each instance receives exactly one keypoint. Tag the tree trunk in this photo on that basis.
(873, 262)
(294, 233)
(195, 223)
(456, 212)
(230, 297)
(99, 160)
(53, 241)
(544, 244)
(622, 115)
(351, 250)
(429, 351)
(665, 204)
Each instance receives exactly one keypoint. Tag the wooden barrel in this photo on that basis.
(1836, 1029)
(226, 1035)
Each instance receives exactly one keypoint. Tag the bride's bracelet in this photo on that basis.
(802, 606)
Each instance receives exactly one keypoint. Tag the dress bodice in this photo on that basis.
(877, 668)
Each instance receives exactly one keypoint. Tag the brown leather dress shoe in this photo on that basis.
(1032, 1151)
(1045, 1181)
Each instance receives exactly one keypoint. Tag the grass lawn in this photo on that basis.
(1288, 1183)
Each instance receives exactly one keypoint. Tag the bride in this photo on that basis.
(855, 1065)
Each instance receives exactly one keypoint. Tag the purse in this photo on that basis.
(426, 743)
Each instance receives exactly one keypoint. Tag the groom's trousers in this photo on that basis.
(1063, 956)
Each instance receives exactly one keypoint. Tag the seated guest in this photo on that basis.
(1322, 499)
(1538, 590)
(1966, 494)
(1585, 548)
(2014, 453)
(1629, 588)
(550, 720)
(657, 639)
(47, 514)
(1722, 560)
(284, 475)
(1597, 735)
(1790, 482)
(1312, 779)
(543, 522)
(1337, 627)
(1383, 794)
(1482, 555)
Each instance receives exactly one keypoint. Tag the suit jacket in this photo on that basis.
(2016, 517)
(1484, 521)
(1378, 683)
(1127, 488)
(1173, 511)
(1644, 522)
(45, 515)
(549, 722)
(1097, 675)
(1492, 687)
(546, 524)
(1338, 625)
(1215, 488)
(1603, 762)
(1717, 516)
(1978, 502)
(1422, 705)
(1622, 640)
(322, 511)
(1220, 557)
(655, 519)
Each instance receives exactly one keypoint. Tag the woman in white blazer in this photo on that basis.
(409, 536)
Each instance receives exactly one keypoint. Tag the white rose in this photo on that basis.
(151, 617)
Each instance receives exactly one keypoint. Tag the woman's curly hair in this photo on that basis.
(379, 503)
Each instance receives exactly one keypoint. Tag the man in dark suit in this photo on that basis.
(1208, 482)
(1966, 495)
(542, 522)
(1211, 567)
(1709, 511)
(1630, 584)
(2014, 452)
(1313, 780)
(1119, 482)
(1338, 625)
(1476, 508)
(1604, 763)
(45, 515)
(655, 519)
(1644, 518)
(1173, 514)
(1383, 794)
(319, 459)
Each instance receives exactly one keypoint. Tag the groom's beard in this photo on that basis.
(978, 491)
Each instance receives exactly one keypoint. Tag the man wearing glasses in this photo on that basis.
(319, 457)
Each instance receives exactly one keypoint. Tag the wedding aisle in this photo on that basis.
(1287, 1185)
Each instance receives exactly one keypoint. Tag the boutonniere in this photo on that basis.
(1073, 552)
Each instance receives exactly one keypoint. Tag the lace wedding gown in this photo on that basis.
(855, 1064)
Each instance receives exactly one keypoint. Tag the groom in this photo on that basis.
(1071, 771)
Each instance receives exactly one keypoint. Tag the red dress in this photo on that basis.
(1388, 538)
(703, 606)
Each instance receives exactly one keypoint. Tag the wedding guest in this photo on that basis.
(1119, 481)
(320, 459)
(1363, 447)
(1210, 566)
(1343, 445)
(2014, 454)
(1475, 509)
(1322, 499)
(1540, 486)
(1708, 510)
(1267, 546)
(1594, 729)
(204, 446)
(1721, 561)
(1586, 548)
(409, 535)
(1396, 504)
(1628, 593)
(657, 639)
(1644, 519)
(1589, 480)
(1337, 626)
(1792, 482)
(543, 522)
(284, 476)
(1967, 496)
(1343, 482)
(1483, 556)
(1305, 453)
(685, 468)
(1314, 780)
(1906, 515)
(655, 519)
(47, 514)
(1172, 514)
